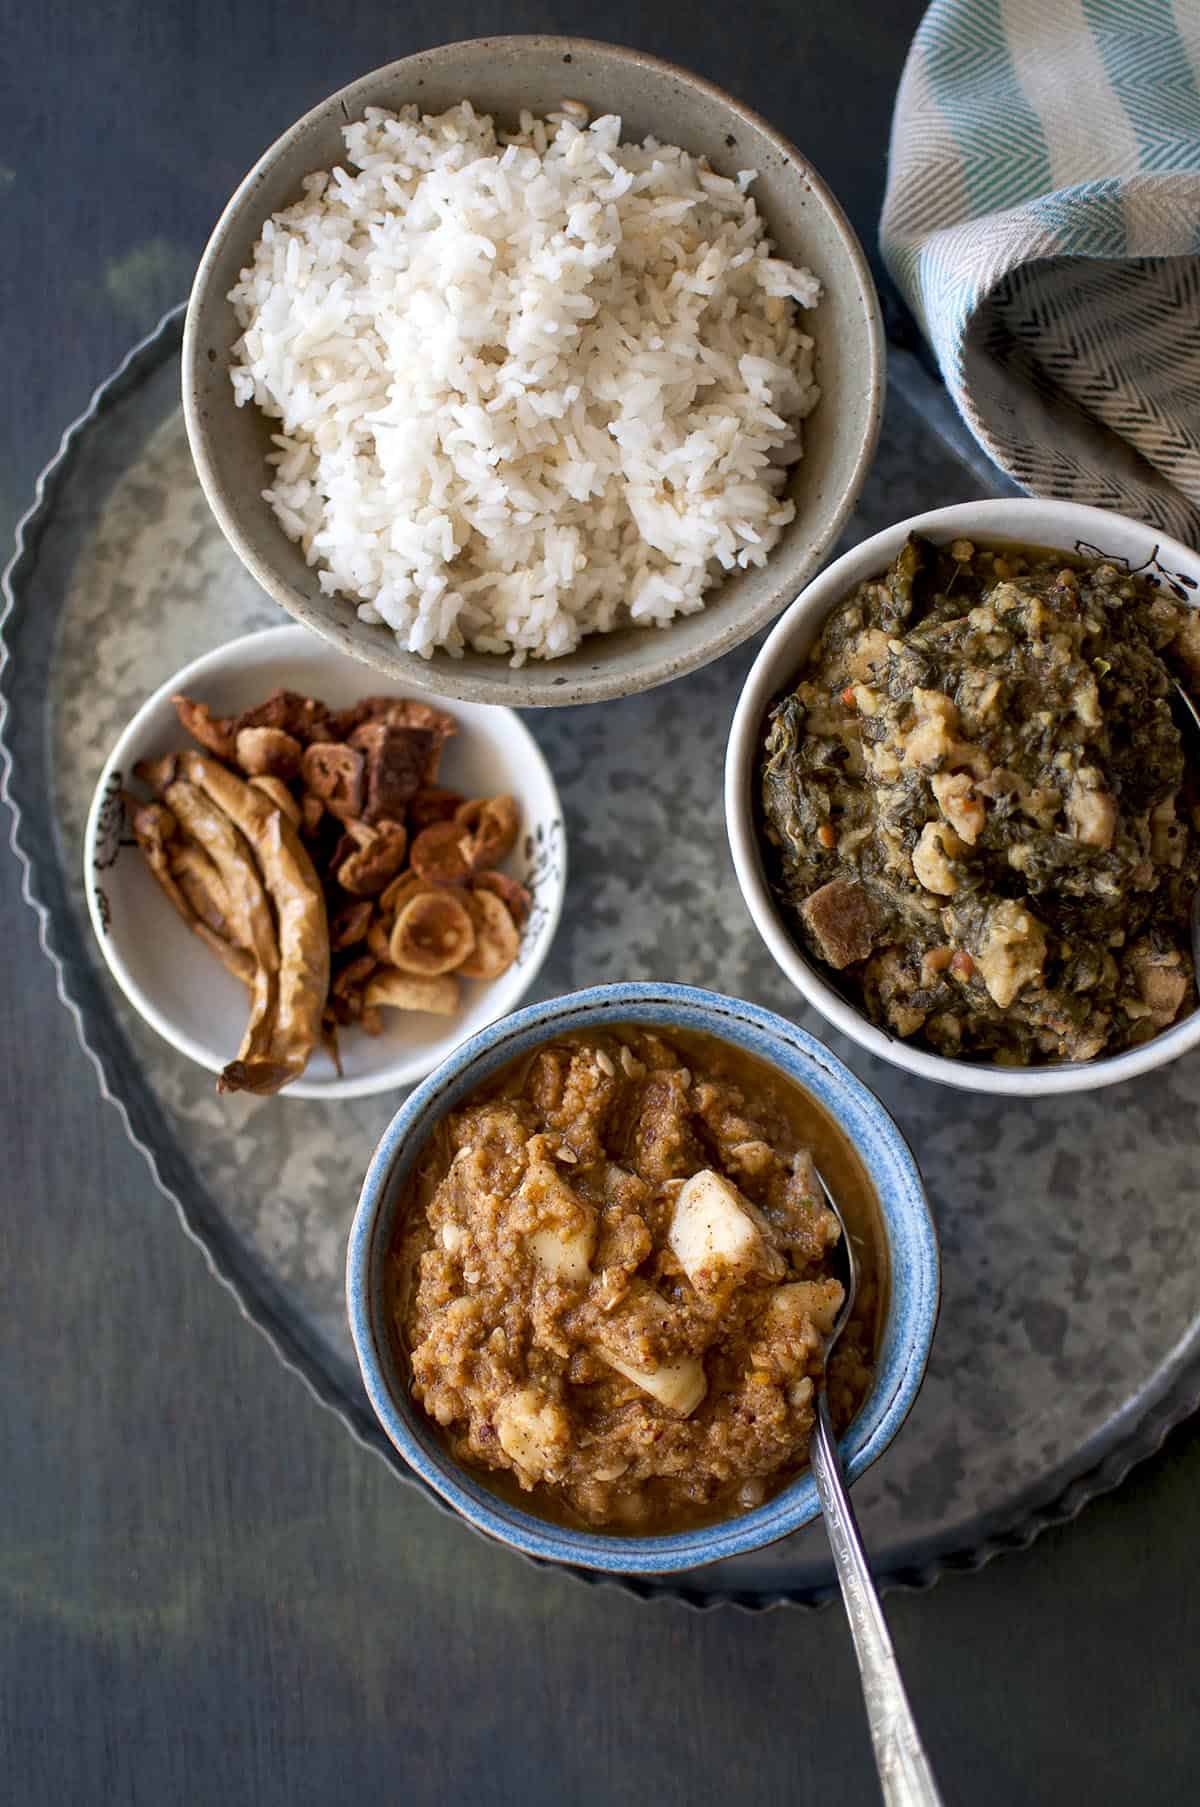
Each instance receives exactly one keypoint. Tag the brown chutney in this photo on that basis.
(613, 1273)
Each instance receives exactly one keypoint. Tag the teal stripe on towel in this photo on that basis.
(971, 76)
(1087, 220)
(1147, 63)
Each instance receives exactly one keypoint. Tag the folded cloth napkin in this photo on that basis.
(1042, 219)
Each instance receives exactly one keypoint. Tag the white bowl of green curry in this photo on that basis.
(963, 806)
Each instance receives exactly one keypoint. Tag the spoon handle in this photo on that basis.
(905, 1777)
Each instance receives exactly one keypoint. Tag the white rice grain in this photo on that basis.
(526, 388)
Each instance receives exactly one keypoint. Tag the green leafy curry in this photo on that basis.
(978, 806)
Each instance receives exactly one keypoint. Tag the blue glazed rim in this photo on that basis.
(913, 1300)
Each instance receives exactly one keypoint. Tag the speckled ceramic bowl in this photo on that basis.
(913, 1293)
(1036, 521)
(500, 76)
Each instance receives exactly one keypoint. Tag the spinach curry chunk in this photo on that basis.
(977, 804)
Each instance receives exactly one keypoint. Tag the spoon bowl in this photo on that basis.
(848, 1260)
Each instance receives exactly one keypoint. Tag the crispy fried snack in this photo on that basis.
(374, 862)
(432, 934)
(280, 795)
(248, 913)
(432, 804)
(440, 853)
(496, 937)
(315, 853)
(399, 712)
(512, 895)
(303, 717)
(202, 885)
(154, 829)
(251, 925)
(409, 991)
(268, 752)
(489, 826)
(303, 945)
(337, 775)
(351, 924)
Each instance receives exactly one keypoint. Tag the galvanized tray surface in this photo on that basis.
(1069, 1340)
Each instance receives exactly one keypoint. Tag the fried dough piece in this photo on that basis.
(490, 825)
(248, 911)
(396, 762)
(440, 853)
(303, 930)
(512, 894)
(377, 938)
(348, 984)
(410, 991)
(268, 753)
(374, 862)
(154, 829)
(305, 718)
(250, 922)
(497, 941)
(432, 803)
(217, 734)
(280, 796)
(302, 717)
(433, 934)
(337, 775)
(350, 925)
(202, 885)
(156, 774)
(399, 712)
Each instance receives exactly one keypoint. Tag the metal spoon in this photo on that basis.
(1194, 717)
(905, 1777)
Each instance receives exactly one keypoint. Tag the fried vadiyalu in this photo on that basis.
(615, 1275)
(196, 893)
(303, 932)
(328, 870)
(275, 912)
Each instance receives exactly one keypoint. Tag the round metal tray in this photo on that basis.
(1069, 1341)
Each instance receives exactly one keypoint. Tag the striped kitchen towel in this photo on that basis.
(1042, 218)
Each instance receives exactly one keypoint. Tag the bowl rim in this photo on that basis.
(914, 1298)
(995, 519)
(444, 676)
(287, 637)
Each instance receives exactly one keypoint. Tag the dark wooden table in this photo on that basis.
(207, 1592)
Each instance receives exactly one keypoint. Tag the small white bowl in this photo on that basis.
(1030, 521)
(175, 983)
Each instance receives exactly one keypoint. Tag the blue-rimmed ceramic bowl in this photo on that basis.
(913, 1292)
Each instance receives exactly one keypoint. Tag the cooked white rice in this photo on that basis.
(529, 387)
